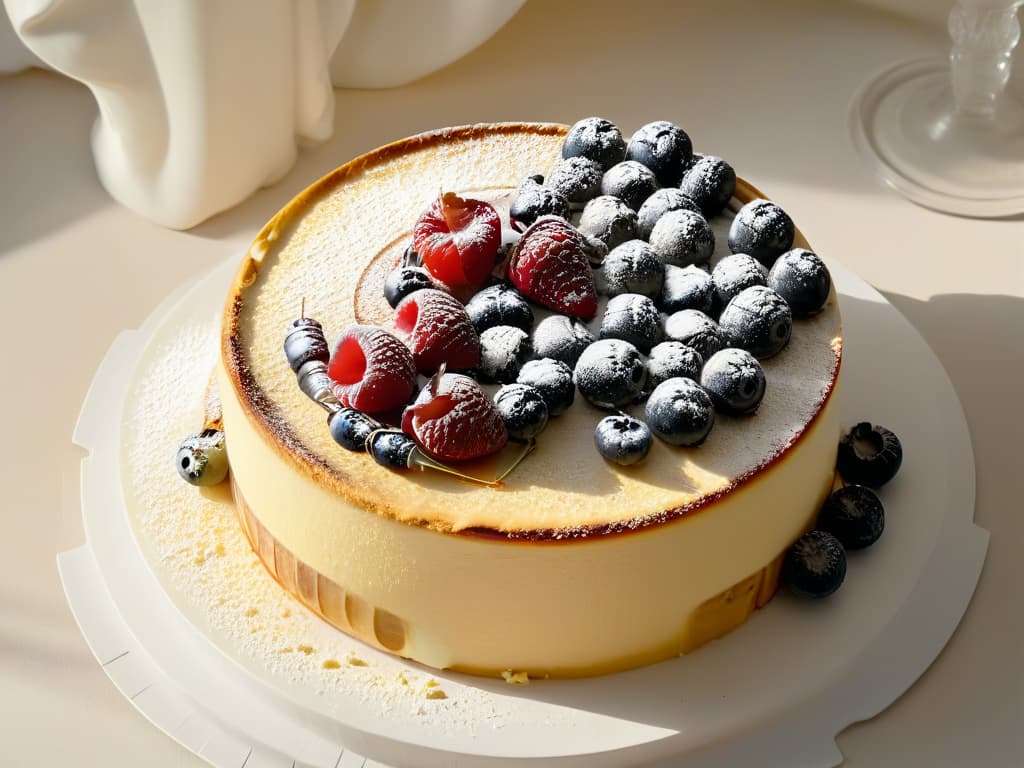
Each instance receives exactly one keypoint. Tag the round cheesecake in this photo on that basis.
(570, 566)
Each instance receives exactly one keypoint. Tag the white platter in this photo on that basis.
(775, 692)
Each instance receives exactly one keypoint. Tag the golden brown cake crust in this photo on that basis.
(261, 410)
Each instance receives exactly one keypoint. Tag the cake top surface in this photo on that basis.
(331, 248)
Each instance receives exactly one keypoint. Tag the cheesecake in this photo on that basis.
(571, 566)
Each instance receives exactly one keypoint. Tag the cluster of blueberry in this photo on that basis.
(674, 331)
(852, 517)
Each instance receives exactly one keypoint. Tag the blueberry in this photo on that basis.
(670, 360)
(402, 281)
(561, 338)
(657, 205)
(534, 200)
(350, 428)
(610, 373)
(686, 288)
(815, 565)
(695, 329)
(735, 381)
(682, 237)
(609, 220)
(577, 179)
(523, 410)
(622, 439)
(597, 139)
(390, 448)
(503, 350)
(761, 229)
(870, 455)
(633, 318)
(854, 515)
(664, 148)
(709, 182)
(594, 249)
(305, 341)
(758, 320)
(553, 379)
(201, 458)
(629, 181)
(680, 412)
(633, 267)
(735, 273)
(802, 279)
(499, 304)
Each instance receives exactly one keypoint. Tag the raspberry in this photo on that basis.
(371, 369)
(549, 265)
(437, 330)
(457, 240)
(454, 420)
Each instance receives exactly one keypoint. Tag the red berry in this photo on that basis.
(454, 420)
(550, 266)
(372, 370)
(457, 240)
(437, 330)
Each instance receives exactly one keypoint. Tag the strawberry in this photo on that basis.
(371, 369)
(549, 265)
(457, 240)
(454, 420)
(437, 329)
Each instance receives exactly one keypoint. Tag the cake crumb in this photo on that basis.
(402, 679)
(219, 550)
(306, 649)
(516, 678)
(332, 664)
(435, 693)
(355, 661)
(252, 612)
(286, 613)
(287, 649)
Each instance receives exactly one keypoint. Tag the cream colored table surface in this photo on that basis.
(766, 85)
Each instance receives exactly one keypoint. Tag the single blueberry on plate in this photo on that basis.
(553, 380)
(683, 237)
(758, 320)
(657, 205)
(680, 412)
(622, 439)
(633, 267)
(672, 359)
(735, 381)
(609, 220)
(561, 338)
(735, 273)
(663, 147)
(201, 458)
(633, 318)
(534, 200)
(629, 181)
(686, 288)
(761, 229)
(854, 515)
(577, 179)
(709, 182)
(869, 455)
(499, 304)
(695, 329)
(597, 139)
(610, 373)
(802, 279)
(815, 565)
(523, 410)
(503, 350)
